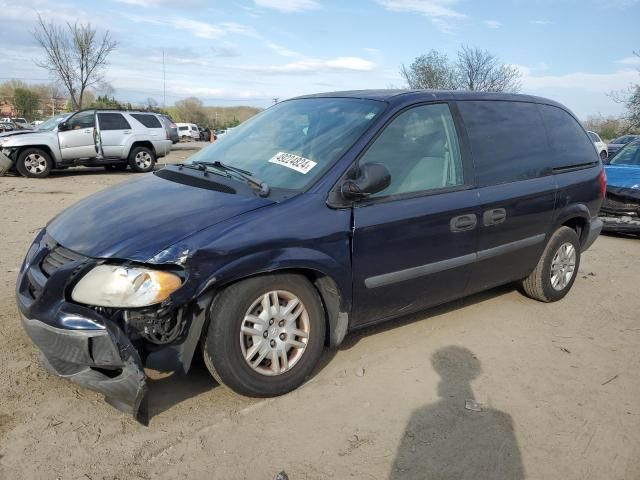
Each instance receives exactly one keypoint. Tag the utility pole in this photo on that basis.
(164, 83)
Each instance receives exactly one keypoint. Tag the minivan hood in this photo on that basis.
(136, 220)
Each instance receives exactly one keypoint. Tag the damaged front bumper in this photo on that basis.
(620, 211)
(101, 359)
(105, 350)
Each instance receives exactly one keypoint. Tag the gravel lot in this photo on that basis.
(558, 387)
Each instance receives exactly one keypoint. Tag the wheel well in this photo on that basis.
(337, 321)
(578, 224)
(41, 147)
(143, 143)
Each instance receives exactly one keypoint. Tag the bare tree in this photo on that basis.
(475, 69)
(74, 55)
(480, 70)
(630, 98)
(432, 70)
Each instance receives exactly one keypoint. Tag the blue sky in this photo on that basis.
(250, 51)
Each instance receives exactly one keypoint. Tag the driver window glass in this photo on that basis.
(82, 120)
(420, 149)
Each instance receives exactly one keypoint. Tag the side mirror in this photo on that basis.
(372, 178)
(63, 126)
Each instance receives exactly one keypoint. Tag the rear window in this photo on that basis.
(113, 121)
(508, 141)
(183, 128)
(149, 121)
(569, 142)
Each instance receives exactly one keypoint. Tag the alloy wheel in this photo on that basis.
(274, 333)
(35, 163)
(563, 266)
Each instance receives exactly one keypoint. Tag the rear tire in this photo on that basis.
(603, 155)
(241, 323)
(34, 163)
(557, 268)
(142, 159)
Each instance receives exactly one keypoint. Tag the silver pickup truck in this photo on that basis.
(110, 138)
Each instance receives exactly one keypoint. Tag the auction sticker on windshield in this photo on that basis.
(294, 162)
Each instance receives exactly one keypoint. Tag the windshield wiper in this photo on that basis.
(261, 186)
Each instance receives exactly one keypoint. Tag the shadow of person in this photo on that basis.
(446, 441)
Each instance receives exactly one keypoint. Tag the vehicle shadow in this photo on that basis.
(355, 336)
(166, 392)
(447, 440)
(170, 390)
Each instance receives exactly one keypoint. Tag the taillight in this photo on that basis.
(602, 180)
(173, 125)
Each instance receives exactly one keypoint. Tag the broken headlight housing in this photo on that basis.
(121, 286)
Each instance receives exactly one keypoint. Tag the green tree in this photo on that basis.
(26, 102)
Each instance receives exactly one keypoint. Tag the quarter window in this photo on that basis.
(113, 121)
(420, 149)
(149, 121)
(568, 141)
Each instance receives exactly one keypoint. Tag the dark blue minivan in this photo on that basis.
(320, 215)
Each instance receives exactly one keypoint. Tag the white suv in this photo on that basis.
(110, 138)
(188, 131)
(601, 147)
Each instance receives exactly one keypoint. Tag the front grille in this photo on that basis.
(58, 257)
(46, 259)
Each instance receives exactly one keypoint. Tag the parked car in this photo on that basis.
(321, 215)
(618, 143)
(601, 147)
(8, 126)
(621, 208)
(188, 131)
(171, 127)
(205, 134)
(21, 122)
(110, 138)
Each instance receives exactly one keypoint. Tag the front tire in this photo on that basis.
(142, 159)
(34, 163)
(557, 268)
(265, 335)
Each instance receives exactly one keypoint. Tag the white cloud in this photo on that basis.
(632, 60)
(288, 5)
(197, 28)
(540, 22)
(283, 51)
(312, 65)
(441, 12)
(429, 8)
(492, 23)
(582, 81)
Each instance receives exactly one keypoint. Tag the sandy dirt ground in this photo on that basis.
(557, 385)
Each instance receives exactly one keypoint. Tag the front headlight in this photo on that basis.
(124, 287)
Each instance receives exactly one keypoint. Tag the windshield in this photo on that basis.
(52, 123)
(294, 142)
(628, 155)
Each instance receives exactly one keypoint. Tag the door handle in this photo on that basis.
(463, 223)
(88, 130)
(126, 132)
(494, 217)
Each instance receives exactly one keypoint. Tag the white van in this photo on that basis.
(188, 131)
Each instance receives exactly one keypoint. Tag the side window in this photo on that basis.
(149, 121)
(593, 137)
(83, 120)
(570, 144)
(113, 121)
(420, 149)
(508, 141)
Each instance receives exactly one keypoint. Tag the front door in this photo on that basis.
(78, 141)
(414, 242)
